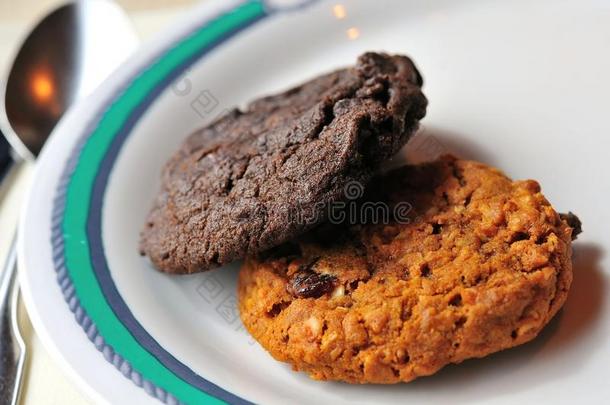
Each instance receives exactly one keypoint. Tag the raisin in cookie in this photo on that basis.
(480, 264)
(256, 178)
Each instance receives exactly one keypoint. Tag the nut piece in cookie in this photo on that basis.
(481, 264)
(254, 179)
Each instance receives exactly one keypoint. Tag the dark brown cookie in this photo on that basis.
(477, 264)
(256, 178)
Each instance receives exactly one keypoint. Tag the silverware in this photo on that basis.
(63, 59)
(12, 363)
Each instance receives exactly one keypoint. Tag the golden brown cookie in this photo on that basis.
(480, 264)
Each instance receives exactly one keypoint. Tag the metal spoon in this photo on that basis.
(66, 56)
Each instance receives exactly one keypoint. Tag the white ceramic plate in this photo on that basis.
(522, 85)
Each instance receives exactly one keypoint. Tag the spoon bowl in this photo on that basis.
(62, 60)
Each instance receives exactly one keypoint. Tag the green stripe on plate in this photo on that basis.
(78, 260)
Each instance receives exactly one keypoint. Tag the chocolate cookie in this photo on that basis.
(256, 178)
(478, 264)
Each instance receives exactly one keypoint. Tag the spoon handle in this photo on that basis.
(12, 345)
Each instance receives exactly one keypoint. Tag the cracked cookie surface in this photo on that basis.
(256, 178)
(480, 264)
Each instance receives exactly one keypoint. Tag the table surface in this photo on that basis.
(45, 382)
